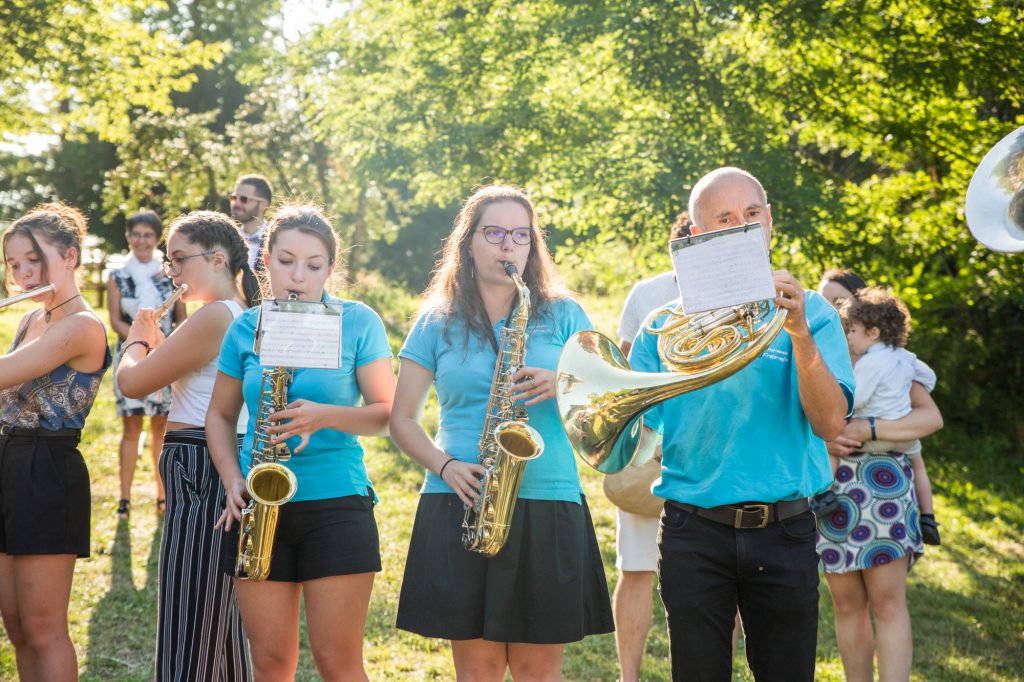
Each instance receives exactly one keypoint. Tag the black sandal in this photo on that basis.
(161, 506)
(124, 509)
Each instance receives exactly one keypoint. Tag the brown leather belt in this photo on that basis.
(746, 514)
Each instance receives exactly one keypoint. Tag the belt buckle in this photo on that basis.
(6, 429)
(740, 511)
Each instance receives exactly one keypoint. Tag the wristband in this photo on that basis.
(128, 344)
(445, 466)
(871, 422)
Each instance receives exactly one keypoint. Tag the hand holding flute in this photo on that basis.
(166, 306)
(146, 326)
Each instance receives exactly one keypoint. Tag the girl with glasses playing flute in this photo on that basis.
(199, 631)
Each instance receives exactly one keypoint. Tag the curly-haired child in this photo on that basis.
(877, 324)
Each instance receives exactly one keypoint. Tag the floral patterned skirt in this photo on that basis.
(877, 521)
(156, 404)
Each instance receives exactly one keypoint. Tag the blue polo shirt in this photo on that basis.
(331, 465)
(746, 438)
(462, 377)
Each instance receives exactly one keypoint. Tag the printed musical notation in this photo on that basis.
(721, 269)
(296, 338)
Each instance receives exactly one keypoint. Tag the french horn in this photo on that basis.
(601, 401)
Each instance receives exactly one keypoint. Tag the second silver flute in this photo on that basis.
(171, 300)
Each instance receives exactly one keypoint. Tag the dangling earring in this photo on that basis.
(472, 269)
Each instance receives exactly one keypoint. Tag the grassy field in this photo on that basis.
(966, 597)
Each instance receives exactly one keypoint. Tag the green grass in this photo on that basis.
(966, 597)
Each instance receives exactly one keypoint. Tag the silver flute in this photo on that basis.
(171, 300)
(32, 293)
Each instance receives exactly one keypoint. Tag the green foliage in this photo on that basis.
(85, 66)
(170, 164)
(864, 121)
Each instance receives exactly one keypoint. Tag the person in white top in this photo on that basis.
(636, 536)
(200, 634)
(249, 203)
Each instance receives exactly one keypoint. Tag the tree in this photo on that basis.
(863, 120)
(86, 65)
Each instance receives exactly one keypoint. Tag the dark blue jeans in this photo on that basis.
(708, 569)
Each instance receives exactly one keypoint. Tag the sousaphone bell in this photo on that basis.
(994, 207)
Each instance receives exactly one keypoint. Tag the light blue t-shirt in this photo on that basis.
(746, 439)
(331, 465)
(462, 377)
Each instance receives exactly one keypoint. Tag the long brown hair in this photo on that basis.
(453, 291)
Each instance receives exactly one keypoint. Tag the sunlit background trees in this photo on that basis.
(865, 121)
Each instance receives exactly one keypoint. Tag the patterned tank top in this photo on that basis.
(60, 399)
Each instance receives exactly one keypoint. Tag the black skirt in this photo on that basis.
(546, 586)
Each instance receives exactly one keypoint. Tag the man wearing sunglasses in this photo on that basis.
(249, 203)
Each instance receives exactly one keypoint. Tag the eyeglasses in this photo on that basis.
(496, 235)
(173, 266)
(242, 199)
(141, 235)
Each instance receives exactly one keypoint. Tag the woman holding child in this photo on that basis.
(868, 544)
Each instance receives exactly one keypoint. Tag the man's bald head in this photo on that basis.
(729, 197)
(713, 178)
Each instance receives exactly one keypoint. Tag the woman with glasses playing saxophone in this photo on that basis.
(199, 629)
(546, 586)
(325, 546)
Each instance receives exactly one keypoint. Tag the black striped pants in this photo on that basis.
(199, 629)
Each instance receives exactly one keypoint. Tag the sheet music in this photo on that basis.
(292, 337)
(725, 268)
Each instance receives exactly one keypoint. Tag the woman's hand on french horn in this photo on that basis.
(235, 501)
(464, 478)
(533, 385)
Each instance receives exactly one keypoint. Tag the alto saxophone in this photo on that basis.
(269, 483)
(506, 443)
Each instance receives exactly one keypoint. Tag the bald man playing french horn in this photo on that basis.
(740, 459)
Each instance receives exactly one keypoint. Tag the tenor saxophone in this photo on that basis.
(507, 443)
(270, 484)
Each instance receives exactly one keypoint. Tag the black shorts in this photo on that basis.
(546, 586)
(45, 503)
(317, 539)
